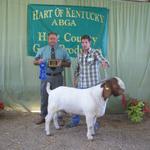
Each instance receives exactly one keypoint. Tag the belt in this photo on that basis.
(53, 74)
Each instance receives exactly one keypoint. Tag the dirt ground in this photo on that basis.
(116, 132)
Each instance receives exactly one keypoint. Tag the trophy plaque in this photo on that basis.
(52, 63)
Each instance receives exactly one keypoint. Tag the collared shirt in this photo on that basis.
(60, 53)
(88, 68)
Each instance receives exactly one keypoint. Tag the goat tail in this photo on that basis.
(48, 88)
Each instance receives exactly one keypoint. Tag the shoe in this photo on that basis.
(75, 120)
(40, 121)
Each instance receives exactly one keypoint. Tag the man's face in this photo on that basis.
(85, 44)
(52, 39)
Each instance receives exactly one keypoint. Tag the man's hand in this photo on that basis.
(59, 63)
(104, 64)
(38, 62)
(74, 82)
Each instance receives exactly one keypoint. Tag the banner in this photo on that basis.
(70, 23)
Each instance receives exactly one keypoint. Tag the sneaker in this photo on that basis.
(75, 120)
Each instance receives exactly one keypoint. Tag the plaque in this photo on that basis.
(52, 63)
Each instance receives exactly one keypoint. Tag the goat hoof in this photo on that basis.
(93, 134)
(90, 137)
(58, 128)
(48, 134)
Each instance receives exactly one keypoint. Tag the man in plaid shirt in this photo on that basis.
(87, 73)
(88, 69)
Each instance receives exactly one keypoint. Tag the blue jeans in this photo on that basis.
(75, 120)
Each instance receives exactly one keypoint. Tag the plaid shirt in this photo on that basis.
(87, 71)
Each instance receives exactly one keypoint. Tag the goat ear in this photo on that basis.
(106, 91)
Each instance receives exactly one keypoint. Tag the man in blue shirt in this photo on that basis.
(53, 74)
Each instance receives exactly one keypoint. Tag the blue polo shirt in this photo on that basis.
(60, 53)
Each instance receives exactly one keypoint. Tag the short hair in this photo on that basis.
(50, 33)
(86, 37)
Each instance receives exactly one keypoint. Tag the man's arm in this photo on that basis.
(98, 56)
(66, 62)
(37, 59)
(76, 76)
(76, 72)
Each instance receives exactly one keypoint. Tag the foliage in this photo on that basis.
(134, 110)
